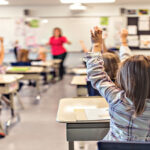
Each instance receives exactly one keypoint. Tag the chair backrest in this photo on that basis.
(105, 145)
(23, 55)
(21, 64)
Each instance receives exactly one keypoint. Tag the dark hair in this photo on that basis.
(111, 64)
(134, 78)
(58, 29)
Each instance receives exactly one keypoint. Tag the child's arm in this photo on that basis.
(1, 51)
(104, 45)
(95, 70)
(83, 47)
(124, 51)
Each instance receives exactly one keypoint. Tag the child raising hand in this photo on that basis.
(129, 99)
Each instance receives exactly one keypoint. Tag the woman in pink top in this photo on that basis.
(58, 51)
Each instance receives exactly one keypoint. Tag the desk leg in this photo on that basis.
(12, 104)
(71, 145)
(19, 100)
(15, 118)
(38, 96)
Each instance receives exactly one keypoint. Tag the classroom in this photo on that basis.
(74, 74)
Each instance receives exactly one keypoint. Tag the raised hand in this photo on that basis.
(96, 35)
(123, 35)
(96, 38)
(1, 40)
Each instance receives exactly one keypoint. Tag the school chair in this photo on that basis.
(21, 64)
(107, 145)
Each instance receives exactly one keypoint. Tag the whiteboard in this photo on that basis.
(75, 29)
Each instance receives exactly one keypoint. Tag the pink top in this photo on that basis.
(57, 45)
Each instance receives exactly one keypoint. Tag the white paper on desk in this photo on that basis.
(132, 29)
(97, 114)
(133, 41)
(145, 41)
(36, 63)
(144, 23)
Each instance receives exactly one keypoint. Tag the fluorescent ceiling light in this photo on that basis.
(44, 21)
(87, 1)
(77, 6)
(4, 2)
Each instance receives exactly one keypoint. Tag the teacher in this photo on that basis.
(58, 51)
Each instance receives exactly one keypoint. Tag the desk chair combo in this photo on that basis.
(9, 86)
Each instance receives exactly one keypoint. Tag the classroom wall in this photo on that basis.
(11, 12)
(50, 11)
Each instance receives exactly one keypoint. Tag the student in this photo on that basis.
(108, 58)
(58, 51)
(111, 64)
(129, 100)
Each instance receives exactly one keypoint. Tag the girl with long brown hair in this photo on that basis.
(129, 99)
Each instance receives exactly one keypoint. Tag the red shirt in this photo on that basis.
(57, 45)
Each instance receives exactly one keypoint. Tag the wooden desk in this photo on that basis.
(9, 85)
(80, 83)
(81, 131)
(48, 65)
(33, 73)
(79, 71)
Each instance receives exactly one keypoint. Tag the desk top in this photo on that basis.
(42, 63)
(46, 63)
(26, 71)
(79, 71)
(66, 110)
(5, 78)
(79, 80)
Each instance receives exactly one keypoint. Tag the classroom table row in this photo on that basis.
(10, 82)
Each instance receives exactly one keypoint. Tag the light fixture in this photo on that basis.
(44, 21)
(4, 2)
(77, 6)
(87, 1)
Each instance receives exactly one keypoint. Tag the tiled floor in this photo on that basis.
(38, 129)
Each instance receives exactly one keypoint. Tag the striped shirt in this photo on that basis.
(123, 125)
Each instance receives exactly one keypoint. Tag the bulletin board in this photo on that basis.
(139, 32)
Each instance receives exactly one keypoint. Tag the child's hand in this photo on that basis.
(124, 33)
(96, 37)
(1, 40)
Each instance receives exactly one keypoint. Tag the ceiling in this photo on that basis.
(57, 2)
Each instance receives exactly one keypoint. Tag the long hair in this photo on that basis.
(111, 64)
(59, 30)
(134, 78)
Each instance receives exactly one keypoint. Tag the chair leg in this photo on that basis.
(20, 101)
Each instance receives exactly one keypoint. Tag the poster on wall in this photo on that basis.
(104, 21)
(132, 12)
(133, 41)
(143, 12)
(144, 23)
(145, 41)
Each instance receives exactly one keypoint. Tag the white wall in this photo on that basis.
(63, 10)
